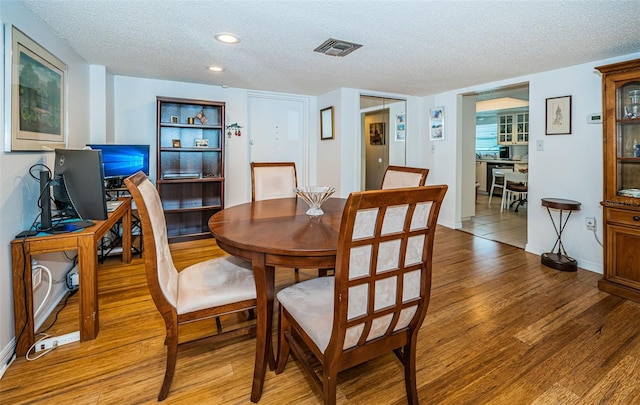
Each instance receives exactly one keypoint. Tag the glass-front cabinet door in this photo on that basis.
(628, 140)
(522, 128)
(505, 129)
(624, 186)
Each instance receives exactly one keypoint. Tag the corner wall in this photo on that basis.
(18, 190)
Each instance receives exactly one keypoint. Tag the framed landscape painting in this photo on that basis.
(38, 102)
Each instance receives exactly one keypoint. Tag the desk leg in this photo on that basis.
(126, 236)
(88, 273)
(22, 299)
(265, 284)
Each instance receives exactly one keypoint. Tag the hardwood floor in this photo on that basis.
(501, 329)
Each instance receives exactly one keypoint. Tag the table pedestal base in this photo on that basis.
(559, 262)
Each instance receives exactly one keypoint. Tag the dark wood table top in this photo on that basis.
(561, 204)
(280, 229)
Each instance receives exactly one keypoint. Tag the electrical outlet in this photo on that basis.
(590, 222)
(56, 341)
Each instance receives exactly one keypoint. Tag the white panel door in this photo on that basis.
(278, 131)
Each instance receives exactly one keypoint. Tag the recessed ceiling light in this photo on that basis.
(216, 69)
(227, 38)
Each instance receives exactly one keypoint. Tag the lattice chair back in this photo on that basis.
(383, 273)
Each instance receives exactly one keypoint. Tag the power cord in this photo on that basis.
(46, 351)
(595, 235)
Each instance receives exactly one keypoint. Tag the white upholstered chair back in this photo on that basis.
(401, 177)
(167, 274)
(384, 262)
(271, 180)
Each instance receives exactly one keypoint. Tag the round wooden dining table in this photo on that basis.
(276, 233)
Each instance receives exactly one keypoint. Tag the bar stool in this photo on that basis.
(497, 174)
(560, 260)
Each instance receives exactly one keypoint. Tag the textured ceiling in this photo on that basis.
(409, 47)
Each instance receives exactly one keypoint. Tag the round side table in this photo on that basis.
(559, 260)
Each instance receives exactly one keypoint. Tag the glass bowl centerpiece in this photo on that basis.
(314, 196)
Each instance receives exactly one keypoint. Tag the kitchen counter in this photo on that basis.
(505, 161)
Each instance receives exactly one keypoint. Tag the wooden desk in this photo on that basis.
(85, 242)
(274, 233)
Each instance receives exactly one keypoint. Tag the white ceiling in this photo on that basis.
(409, 47)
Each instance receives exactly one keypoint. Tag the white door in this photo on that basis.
(278, 130)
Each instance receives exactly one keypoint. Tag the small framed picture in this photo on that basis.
(174, 119)
(400, 134)
(436, 124)
(176, 143)
(326, 123)
(377, 133)
(558, 116)
(202, 143)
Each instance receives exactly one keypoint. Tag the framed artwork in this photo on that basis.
(37, 98)
(400, 134)
(326, 123)
(436, 124)
(176, 143)
(376, 133)
(558, 116)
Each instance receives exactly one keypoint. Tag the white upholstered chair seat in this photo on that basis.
(311, 304)
(213, 283)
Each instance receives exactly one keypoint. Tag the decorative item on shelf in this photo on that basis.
(202, 143)
(191, 120)
(174, 119)
(200, 116)
(314, 196)
(233, 129)
(176, 143)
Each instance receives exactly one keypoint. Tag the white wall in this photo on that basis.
(18, 190)
(569, 167)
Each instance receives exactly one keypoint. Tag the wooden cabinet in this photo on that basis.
(190, 164)
(513, 129)
(621, 204)
(481, 175)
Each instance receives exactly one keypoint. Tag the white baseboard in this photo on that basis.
(7, 357)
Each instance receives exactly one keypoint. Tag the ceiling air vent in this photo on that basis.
(336, 47)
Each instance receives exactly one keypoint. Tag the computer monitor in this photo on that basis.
(78, 184)
(121, 161)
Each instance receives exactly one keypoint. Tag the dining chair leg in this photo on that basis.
(329, 384)
(409, 363)
(172, 356)
(284, 326)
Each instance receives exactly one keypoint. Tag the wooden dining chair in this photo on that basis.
(515, 183)
(201, 291)
(379, 296)
(496, 175)
(273, 180)
(401, 176)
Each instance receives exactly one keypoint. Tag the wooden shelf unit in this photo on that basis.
(190, 178)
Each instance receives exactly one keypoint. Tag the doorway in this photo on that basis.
(494, 108)
(383, 123)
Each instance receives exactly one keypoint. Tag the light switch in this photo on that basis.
(540, 145)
